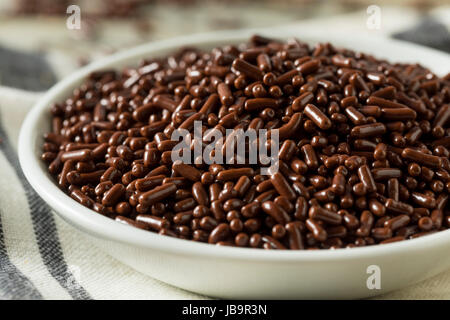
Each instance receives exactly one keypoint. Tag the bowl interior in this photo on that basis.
(38, 122)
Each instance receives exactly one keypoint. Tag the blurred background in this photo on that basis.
(37, 48)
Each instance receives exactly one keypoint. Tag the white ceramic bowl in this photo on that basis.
(237, 272)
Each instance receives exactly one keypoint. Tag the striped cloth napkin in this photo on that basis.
(42, 257)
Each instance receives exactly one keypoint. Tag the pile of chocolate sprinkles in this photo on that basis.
(363, 160)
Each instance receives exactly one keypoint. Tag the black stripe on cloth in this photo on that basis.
(13, 284)
(44, 228)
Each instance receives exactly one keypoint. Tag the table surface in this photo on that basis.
(99, 36)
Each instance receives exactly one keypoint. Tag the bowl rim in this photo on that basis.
(106, 228)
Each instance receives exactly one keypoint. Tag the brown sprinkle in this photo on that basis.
(363, 158)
